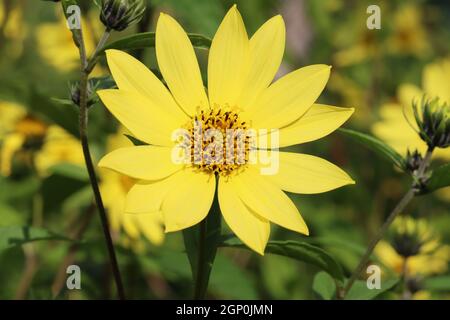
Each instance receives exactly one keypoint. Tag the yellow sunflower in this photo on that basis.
(114, 188)
(395, 129)
(240, 97)
(24, 136)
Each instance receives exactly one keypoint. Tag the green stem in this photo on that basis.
(406, 294)
(420, 175)
(93, 60)
(201, 280)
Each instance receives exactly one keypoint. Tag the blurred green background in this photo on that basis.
(43, 182)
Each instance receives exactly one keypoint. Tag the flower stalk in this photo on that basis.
(86, 68)
(419, 178)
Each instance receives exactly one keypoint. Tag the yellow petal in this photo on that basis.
(302, 173)
(10, 145)
(228, 60)
(318, 122)
(268, 201)
(436, 80)
(141, 162)
(151, 226)
(189, 201)
(290, 97)
(252, 229)
(407, 94)
(129, 225)
(178, 65)
(140, 116)
(132, 75)
(266, 53)
(148, 196)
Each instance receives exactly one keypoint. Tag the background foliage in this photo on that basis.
(38, 59)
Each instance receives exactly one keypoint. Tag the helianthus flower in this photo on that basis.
(114, 188)
(395, 129)
(240, 96)
(37, 143)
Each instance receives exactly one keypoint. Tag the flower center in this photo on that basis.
(219, 141)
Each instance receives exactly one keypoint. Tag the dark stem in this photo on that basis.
(406, 295)
(86, 67)
(200, 277)
(94, 185)
(400, 206)
(420, 175)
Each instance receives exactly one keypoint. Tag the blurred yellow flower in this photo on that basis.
(56, 46)
(409, 35)
(114, 188)
(432, 256)
(240, 96)
(36, 143)
(395, 129)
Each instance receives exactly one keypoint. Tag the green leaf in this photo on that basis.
(300, 251)
(440, 178)
(359, 290)
(20, 189)
(438, 283)
(12, 236)
(324, 285)
(70, 170)
(64, 102)
(376, 145)
(147, 40)
(211, 229)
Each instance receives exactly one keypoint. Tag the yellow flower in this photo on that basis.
(395, 129)
(432, 258)
(240, 97)
(114, 188)
(37, 143)
(409, 35)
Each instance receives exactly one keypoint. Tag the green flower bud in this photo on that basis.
(74, 89)
(413, 160)
(120, 14)
(433, 121)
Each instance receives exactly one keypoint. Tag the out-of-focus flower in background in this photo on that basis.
(409, 35)
(27, 139)
(415, 243)
(114, 187)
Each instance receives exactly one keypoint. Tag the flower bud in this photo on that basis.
(120, 14)
(413, 160)
(433, 120)
(75, 93)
